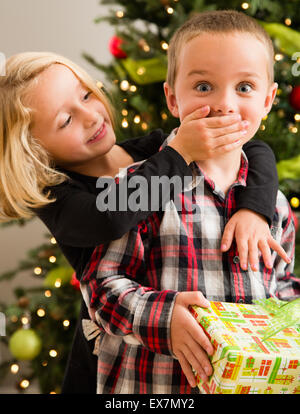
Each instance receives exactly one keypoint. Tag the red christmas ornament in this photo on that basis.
(75, 282)
(115, 47)
(294, 98)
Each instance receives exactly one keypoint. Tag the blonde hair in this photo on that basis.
(218, 21)
(26, 169)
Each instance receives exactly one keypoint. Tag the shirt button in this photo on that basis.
(236, 259)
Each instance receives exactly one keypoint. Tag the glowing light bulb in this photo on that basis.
(137, 119)
(124, 123)
(24, 384)
(41, 312)
(57, 283)
(53, 353)
(164, 45)
(119, 14)
(295, 202)
(297, 117)
(141, 70)
(37, 270)
(14, 368)
(52, 259)
(124, 85)
(288, 21)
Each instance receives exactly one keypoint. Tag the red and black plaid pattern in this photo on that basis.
(130, 285)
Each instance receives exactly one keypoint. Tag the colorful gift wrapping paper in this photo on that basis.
(257, 347)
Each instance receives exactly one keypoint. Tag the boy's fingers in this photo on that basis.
(198, 335)
(187, 370)
(279, 249)
(193, 298)
(198, 360)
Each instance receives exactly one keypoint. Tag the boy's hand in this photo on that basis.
(189, 343)
(200, 138)
(252, 233)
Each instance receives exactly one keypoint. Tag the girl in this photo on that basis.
(57, 138)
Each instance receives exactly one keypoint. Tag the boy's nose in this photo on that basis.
(224, 105)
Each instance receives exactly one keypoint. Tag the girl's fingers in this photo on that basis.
(242, 246)
(279, 249)
(266, 253)
(224, 131)
(228, 236)
(222, 121)
(253, 254)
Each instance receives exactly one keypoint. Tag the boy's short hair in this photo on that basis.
(218, 21)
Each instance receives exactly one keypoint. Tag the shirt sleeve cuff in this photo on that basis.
(152, 321)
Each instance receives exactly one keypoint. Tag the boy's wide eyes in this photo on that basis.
(245, 87)
(203, 87)
(206, 87)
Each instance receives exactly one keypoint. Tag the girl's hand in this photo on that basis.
(252, 233)
(200, 137)
(189, 343)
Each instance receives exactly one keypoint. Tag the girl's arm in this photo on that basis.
(262, 182)
(256, 202)
(74, 219)
(144, 147)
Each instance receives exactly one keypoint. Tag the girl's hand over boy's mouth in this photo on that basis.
(200, 137)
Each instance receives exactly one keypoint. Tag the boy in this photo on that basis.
(139, 288)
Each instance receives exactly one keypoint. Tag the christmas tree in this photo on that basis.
(40, 324)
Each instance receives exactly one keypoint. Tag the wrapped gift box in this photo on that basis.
(257, 347)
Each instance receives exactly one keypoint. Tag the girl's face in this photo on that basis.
(69, 121)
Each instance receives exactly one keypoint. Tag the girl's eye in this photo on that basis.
(66, 123)
(245, 88)
(203, 87)
(86, 96)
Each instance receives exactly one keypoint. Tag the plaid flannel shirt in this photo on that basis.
(130, 284)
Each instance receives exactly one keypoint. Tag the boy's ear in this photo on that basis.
(171, 100)
(270, 98)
